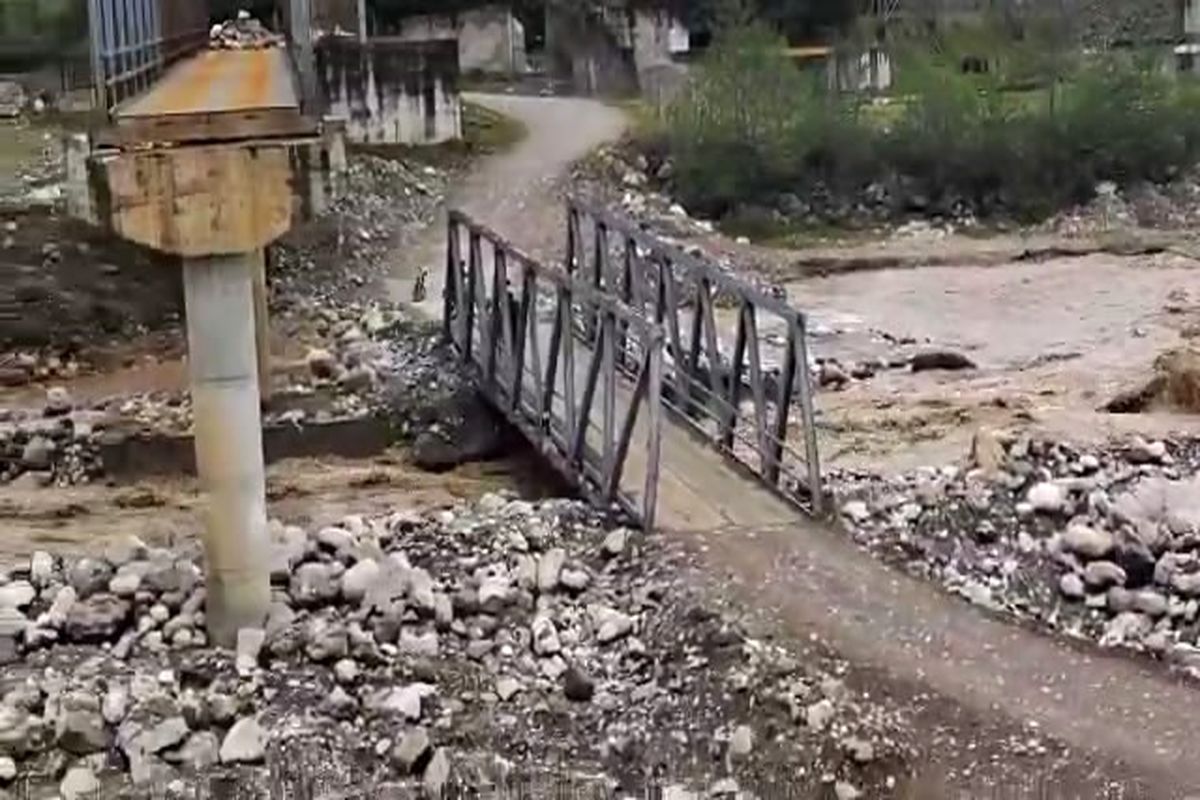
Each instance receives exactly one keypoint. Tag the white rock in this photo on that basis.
(115, 704)
(856, 511)
(1088, 542)
(742, 741)
(41, 569)
(346, 671)
(79, 784)
(246, 743)
(846, 791)
(357, 579)
(615, 542)
(437, 772)
(249, 645)
(8, 769)
(17, 594)
(545, 636)
(1046, 498)
(610, 623)
(507, 688)
(550, 567)
(1071, 586)
(818, 715)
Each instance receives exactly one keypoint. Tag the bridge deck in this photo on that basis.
(216, 95)
(216, 82)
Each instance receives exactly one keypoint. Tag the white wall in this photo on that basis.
(490, 39)
(389, 93)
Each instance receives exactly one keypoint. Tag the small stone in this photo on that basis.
(1088, 542)
(578, 687)
(1124, 628)
(8, 769)
(550, 567)
(421, 593)
(1046, 498)
(507, 688)
(861, 750)
(41, 569)
(818, 715)
(245, 743)
(201, 751)
(1150, 603)
(125, 584)
(357, 579)
(80, 729)
(1088, 463)
(545, 637)
(610, 624)
(1102, 574)
(325, 639)
(249, 646)
(424, 645)
(404, 700)
(17, 595)
(742, 741)
(89, 576)
(437, 772)
(58, 401)
(335, 539)
(856, 511)
(313, 585)
(615, 542)
(79, 784)
(1071, 586)
(987, 454)
(100, 618)
(345, 671)
(38, 453)
(321, 363)
(725, 787)
(411, 751)
(844, 790)
(575, 580)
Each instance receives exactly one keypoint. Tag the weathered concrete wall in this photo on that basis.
(490, 39)
(659, 37)
(392, 91)
(585, 49)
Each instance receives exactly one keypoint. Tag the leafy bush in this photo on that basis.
(751, 127)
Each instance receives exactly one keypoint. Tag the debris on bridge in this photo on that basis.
(244, 33)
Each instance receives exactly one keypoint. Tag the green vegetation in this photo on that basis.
(751, 129)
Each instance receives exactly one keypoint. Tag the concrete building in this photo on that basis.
(490, 39)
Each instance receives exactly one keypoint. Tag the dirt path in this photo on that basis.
(516, 192)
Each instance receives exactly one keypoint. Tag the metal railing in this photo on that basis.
(727, 394)
(133, 41)
(525, 345)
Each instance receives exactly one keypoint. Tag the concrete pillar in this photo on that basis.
(362, 21)
(262, 326)
(221, 350)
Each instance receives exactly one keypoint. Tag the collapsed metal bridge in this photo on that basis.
(618, 361)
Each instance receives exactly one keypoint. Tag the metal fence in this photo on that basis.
(752, 398)
(132, 41)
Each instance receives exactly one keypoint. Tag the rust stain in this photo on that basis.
(255, 79)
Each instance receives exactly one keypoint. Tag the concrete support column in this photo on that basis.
(262, 325)
(219, 292)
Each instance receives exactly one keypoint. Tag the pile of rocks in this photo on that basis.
(244, 33)
(1092, 543)
(420, 649)
(56, 445)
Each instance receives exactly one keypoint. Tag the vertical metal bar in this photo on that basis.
(587, 401)
(608, 332)
(450, 286)
(469, 311)
(734, 394)
(95, 38)
(568, 345)
(492, 323)
(782, 404)
(520, 337)
(572, 237)
(812, 455)
(631, 415)
(758, 388)
(626, 288)
(556, 334)
(654, 401)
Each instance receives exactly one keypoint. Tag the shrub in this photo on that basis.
(751, 126)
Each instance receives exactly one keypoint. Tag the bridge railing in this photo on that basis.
(132, 41)
(522, 338)
(751, 398)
